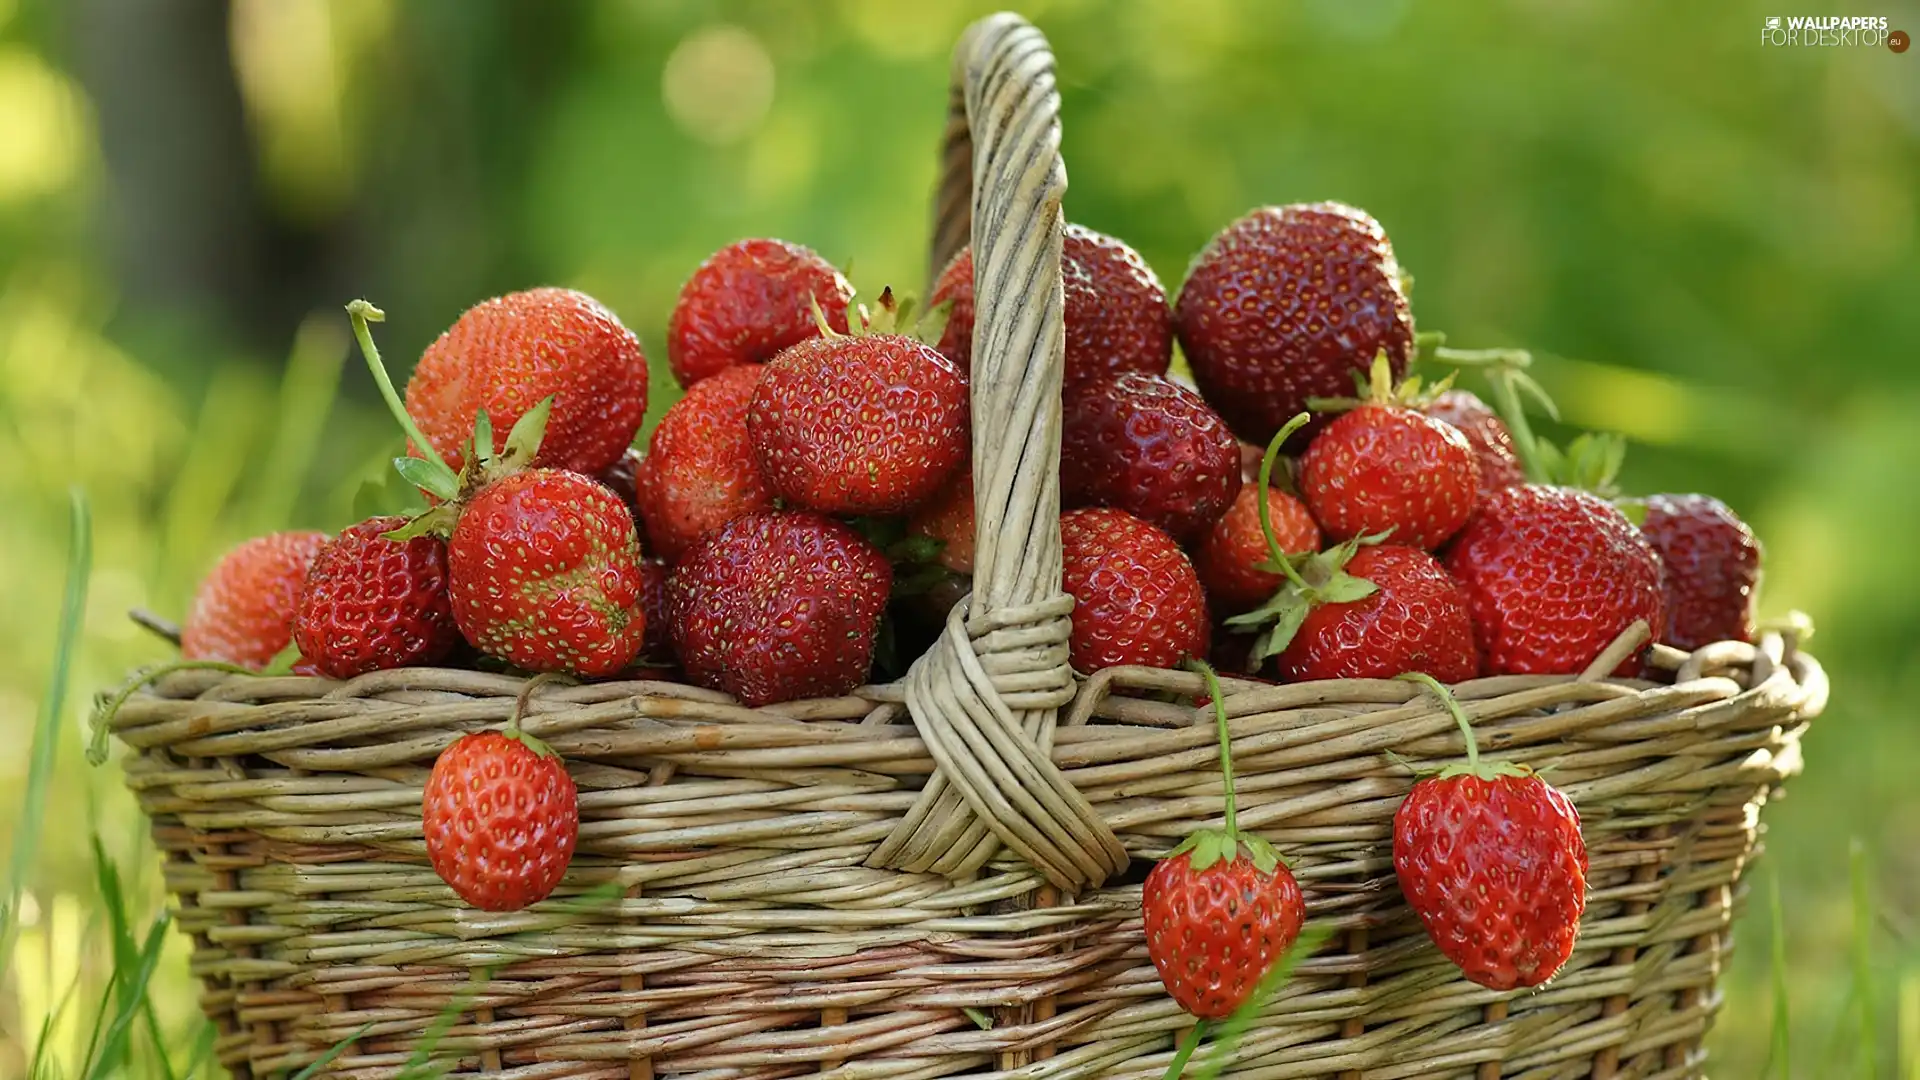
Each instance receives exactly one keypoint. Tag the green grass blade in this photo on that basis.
(1867, 1062)
(325, 1059)
(307, 393)
(46, 728)
(131, 994)
(202, 1051)
(126, 951)
(1782, 1050)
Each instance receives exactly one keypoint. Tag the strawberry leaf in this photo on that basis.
(431, 477)
(387, 494)
(1344, 588)
(1210, 848)
(523, 442)
(1264, 858)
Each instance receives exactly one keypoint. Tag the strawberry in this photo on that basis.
(1221, 908)
(1148, 446)
(546, 574)
(776, 606)
(700, 471)
(868, 424)
(1232, 552)
(747, 302)
(1415, 619)
(948, 519)
(1286, 304)
(658, 643)
(1490, 858)
(1553, 575)
(501, 817)
(1393, 470)
(1492, 444)
(1712, 564)
(243, 611)
(1136, 597)
(506, 354)
(623, 476)
(373, 604)
(1116, 310)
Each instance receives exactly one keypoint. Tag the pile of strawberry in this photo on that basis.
(801, 519)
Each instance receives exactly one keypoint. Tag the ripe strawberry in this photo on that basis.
(546, 574)
(1116, 310)
(501, 817)
(1386, 467)
(1136, 597)
(779, 605)
(948, 518)
(1285, 304)
(1232, 551)
(243, 611)
(1486, 433)
(507, 354)
(700, 471)
(747, 302)
(373, 604)
(872, 424)
(658, 644)
(1712, 566)
(1553, 575)
(1490, 858)
(1150, 447)
(1416, 619)
(1221, 908)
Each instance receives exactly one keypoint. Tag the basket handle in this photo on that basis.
(985, 697)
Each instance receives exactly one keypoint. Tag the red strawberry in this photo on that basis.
(873, 424)
(546, 574)
(1234, 548)
(507, 354)
(1116, 310)
(1712, 566)
(501, 817)
(658, 645)
(1385, 467)
(1490, 857)
(1416, 619)
(1486, 433)
(700, 471)
(948, 518)
(777, 606)
(1221, 908)
(1286, 304)
(373, 604)
(243, 611)
(1136, 597)
(1150, 447)
(1553, 575)
(747, 302)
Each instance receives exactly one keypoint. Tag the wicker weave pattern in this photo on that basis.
(830, 887)
(753, 937)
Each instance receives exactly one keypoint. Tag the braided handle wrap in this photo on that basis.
(985, 696)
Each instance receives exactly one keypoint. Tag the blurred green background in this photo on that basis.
(1722, 233)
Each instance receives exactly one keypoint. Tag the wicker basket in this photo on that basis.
(846, 887)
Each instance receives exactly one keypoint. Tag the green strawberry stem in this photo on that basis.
(1525, 445)
(520, 703)
(363, 313)
(1473, 767)
(1209, 846)
(1267, 459)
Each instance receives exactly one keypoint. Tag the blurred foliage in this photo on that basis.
(1713, 241)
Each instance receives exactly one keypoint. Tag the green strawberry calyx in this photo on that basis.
(430, 472)
(896, 315)
(1313, 578)
(1376, 387)
(1473, 766)
(1208, 846)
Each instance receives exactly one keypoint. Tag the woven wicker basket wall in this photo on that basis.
(827, 887)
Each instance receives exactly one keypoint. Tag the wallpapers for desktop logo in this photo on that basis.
(1843, 31)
